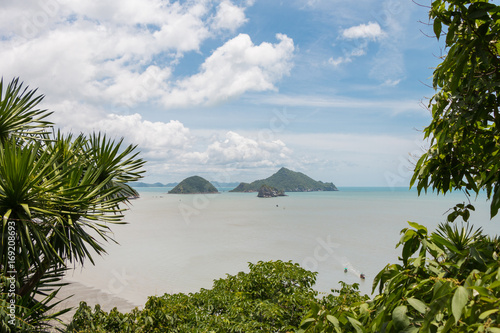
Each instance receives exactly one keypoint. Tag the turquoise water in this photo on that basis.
(181, 243)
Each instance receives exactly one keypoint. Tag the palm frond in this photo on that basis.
(18, 113)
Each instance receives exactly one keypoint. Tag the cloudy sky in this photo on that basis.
(233, 90)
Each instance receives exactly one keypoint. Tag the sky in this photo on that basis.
(233, 90)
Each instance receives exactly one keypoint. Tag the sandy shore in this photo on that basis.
(91, 296)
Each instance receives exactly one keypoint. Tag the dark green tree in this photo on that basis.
(272, 297)
(464, 132)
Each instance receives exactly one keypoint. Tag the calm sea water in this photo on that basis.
(181, 243)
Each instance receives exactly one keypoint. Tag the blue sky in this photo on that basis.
(234, 90)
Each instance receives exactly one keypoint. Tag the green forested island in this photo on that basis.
(288, 181)
(194, 184)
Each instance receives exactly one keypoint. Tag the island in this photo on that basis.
(140, 184)
(266, 191)
(194, 185)
(287, 181)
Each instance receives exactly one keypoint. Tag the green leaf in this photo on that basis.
(401, 320)
(494, 329)
(481, 290)
(495, 284)
(437, 28)
(418, 305)
(419, 227)
(458, 302)
(486, 314)
(333, 320)
(356, 324)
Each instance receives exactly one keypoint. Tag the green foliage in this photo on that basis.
(448, 281)
(18, 113)
(25, 314)
(99, 321)
(288, 181)
(57, 193)
(271, 297)
(194, 184)
(336, 313)
(465, 126)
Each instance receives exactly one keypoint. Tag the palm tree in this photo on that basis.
(56, 192)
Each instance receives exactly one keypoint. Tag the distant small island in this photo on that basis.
(141, 184)
(266, 191)
(158, 184)
(192, 185)
(288, 181)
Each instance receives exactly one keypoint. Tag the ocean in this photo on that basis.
(181, 243)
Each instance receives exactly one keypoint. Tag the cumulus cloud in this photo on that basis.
(157, 137)
(108, 52)
(369, 31)
(168, 144)
(229, 17)
(238, 150)
(234, 68)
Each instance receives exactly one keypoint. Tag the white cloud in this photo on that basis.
(389, 65)
(357, 159)
(157, 137)
(391, 106)
(337, 61)
(130, 88)
(391, 83)
(104, 51)
(369, 31)
(235, 149)
(155, 140)
(229, 17)
(171, 145)
(234, 68)
(389, 28)
(107, 52)
(354, 42)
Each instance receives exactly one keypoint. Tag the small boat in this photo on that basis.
(362, 276)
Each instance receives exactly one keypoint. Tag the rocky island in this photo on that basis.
(266, 191)
(192, 185)
(287, 181)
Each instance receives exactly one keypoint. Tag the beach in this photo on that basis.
(72, 294)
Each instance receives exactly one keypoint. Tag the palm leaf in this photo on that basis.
(18, 114)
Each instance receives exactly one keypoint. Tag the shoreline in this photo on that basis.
(92, 296)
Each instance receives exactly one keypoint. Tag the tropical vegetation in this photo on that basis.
(447, 280)
(58, 196)
(464, 152)
(271, 297)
